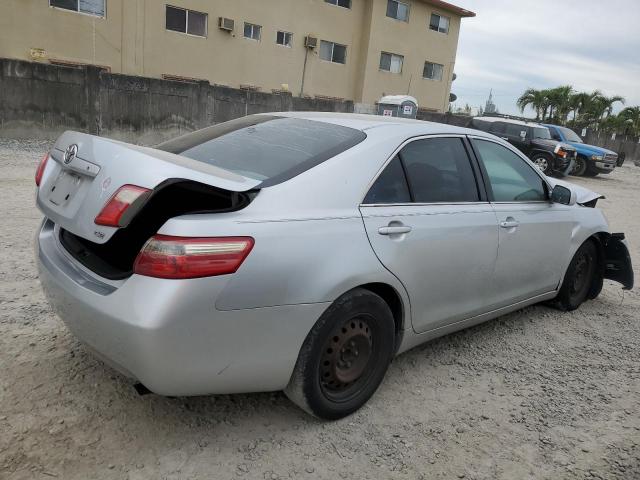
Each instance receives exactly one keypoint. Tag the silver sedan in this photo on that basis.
(302, 251)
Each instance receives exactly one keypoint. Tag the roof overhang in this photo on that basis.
(463, 12)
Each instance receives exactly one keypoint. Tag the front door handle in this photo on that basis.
(394, 230)
(509, 224)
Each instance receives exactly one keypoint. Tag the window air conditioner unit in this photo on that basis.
(310, 42)
(226, 24)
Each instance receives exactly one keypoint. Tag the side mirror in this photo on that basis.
(563, 195)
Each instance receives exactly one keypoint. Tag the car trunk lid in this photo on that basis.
(84, 171)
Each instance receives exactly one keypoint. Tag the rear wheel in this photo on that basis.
(578, 280)
(344, 357)
(543, 162)
(579, 167)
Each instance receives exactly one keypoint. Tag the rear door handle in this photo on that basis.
(394, 230)
(509, 224)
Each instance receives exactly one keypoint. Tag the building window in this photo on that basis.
(340, 3)
(390, 62)
(284, 38)
(252, 31)
(398, 10)
(333, 52)
(186, 21)
(439, 23)
(433, 71)
(90, 7)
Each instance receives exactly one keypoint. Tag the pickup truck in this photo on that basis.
(532, 139)
(591, 160)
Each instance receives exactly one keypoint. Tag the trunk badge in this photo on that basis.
(70, 153)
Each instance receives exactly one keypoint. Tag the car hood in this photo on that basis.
(591, 149)
(583, 195)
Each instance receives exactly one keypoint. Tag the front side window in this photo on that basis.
(333, 52)
(391, 186)
(252, 31)
(510, 177)
(90, 7)
(284, 38)
(433, 71)
(541, 132)
(186, 21)
(390, 62)
(340, 3)
(570, 135)
(439, 23)
(398, 10)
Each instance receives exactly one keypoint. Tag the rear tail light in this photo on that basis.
(113, 213)
(190, 257)
(40, 169)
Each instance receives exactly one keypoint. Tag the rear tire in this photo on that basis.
(578, 281)
(345, 356)
(543, 162)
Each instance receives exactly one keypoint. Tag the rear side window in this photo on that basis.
(267, 148)
(515, 130)
(497, 127)
(510, 177)
(439, 170)
(391, 186)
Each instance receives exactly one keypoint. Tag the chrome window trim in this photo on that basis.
(393, 155)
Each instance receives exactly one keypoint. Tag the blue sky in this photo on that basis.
(512, 45)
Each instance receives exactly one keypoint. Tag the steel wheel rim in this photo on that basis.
(346, 358)
(542, 163)
(581, 273)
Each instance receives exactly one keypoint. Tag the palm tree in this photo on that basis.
(631, 119)
(601, 106)
(578, 102)
(533, 98)
(559, 101)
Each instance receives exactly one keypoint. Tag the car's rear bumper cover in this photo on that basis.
(167, 333)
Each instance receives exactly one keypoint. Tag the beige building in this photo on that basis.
(358, 50)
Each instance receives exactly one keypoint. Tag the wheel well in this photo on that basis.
(544, 153)
(391, 296)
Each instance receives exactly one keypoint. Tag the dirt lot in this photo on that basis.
(534, 394)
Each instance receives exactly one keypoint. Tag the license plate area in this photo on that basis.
(64, 188)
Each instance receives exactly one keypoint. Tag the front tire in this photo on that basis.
(578, 280)
(543, 162)
(344, 357)
(580, 167)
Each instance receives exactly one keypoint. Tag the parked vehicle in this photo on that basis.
(591, 160)
(302, 251)
(532, 139)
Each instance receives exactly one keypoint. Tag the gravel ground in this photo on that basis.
(534, 394)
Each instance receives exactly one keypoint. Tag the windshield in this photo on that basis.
(267, 148)
(541, 132)
(570, 135)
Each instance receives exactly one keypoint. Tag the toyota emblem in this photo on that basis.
(70, 153)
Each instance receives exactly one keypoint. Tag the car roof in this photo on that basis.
(365, 122)
(509, 120)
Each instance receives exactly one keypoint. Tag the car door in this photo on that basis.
(534, 234)
(430, 224)
(519, 136)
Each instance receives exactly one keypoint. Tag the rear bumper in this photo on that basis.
(167, 333)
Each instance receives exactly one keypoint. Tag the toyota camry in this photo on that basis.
(303, 251)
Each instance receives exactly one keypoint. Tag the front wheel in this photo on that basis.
(344, 357)
(579, 167)
(543, 162)
(578, 279)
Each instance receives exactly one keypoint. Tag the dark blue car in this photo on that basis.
(591, 160)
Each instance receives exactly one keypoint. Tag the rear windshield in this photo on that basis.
(570, 135)
(268, 148)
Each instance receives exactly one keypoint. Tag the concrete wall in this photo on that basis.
(132, 39)
(41, 101)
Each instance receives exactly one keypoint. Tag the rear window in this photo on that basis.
(268, 148)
